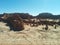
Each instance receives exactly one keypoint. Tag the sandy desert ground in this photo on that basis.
(29, 36)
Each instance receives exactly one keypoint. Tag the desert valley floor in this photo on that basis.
(29, 36)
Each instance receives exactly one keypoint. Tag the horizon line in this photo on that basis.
(29, 13)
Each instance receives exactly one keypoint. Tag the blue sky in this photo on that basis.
(33, 7)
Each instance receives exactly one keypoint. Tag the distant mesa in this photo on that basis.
(26, 15)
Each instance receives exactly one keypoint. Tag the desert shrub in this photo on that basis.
(16, 23)
(46, 28)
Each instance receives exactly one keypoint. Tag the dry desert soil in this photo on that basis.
(29, 36)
